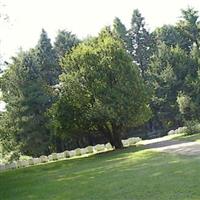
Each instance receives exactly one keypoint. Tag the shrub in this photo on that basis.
(193, 127)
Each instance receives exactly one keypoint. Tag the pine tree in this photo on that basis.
(120, 30)
(190, 26)
(27, 90)
(141, 41)
(46, 60)
(64, 42)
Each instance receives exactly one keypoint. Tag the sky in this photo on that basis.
(82, 17)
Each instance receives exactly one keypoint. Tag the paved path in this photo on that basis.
(173, 146)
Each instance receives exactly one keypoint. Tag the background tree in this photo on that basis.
(46, 59)
(101, 90)
(64, 42)
(170, 72)
(23, 92)
(27, 90)
(172, 36)
(120, 30)
(190, 26)
(141, 41)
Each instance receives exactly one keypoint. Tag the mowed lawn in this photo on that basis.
(189, 138)
(129, 174)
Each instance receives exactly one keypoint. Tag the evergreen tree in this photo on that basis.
(120, 30)
(25, 95)
(141, 41)
(172, 36)
(190, 26)
(64, 42)
(170, 72)
(27, 90)
(46, 60)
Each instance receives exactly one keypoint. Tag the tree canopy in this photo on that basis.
(125, 81)
(101, 90)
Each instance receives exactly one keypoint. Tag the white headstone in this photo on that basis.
(78, 152)
(60, 156)
(54, 156)
(84, 151)
(90, 149)
(66, 154)
(108, 146)
(43, 159)
(72, 153)
(31, 161)
(125, 143)
(99, 147)
(50, 157)
(2, 167)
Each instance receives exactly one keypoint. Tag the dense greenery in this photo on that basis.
(100, 91)
(75, 93)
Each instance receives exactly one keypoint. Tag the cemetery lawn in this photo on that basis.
(189, 138)
(130, 174)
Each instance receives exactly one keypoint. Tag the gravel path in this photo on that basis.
(173, 146)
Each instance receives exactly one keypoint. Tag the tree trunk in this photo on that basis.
(116, 140)
(113, 135)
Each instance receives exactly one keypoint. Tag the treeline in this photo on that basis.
(76, 93)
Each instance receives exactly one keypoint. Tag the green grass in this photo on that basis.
(130, 174)
(189, 138)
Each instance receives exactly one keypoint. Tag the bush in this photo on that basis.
(193, 127)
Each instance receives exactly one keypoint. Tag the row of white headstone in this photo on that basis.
(66, 154)
(178, 130)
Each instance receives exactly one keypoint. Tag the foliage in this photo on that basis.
(183, 102)
(26, 87)
(168, 74)
(189, 25)
(120, 31)
(100, 90)
(141, 41)
(64, 42)
(101, 94)
(172, 36)
(193, 127)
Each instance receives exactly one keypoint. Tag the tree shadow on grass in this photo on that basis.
(130, 173)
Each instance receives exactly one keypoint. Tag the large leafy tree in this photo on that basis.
(101, 90)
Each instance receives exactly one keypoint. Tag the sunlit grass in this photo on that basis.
(131, 174)
(186, 137)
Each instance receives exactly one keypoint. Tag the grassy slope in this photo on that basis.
(190, 138)
(129, 174)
